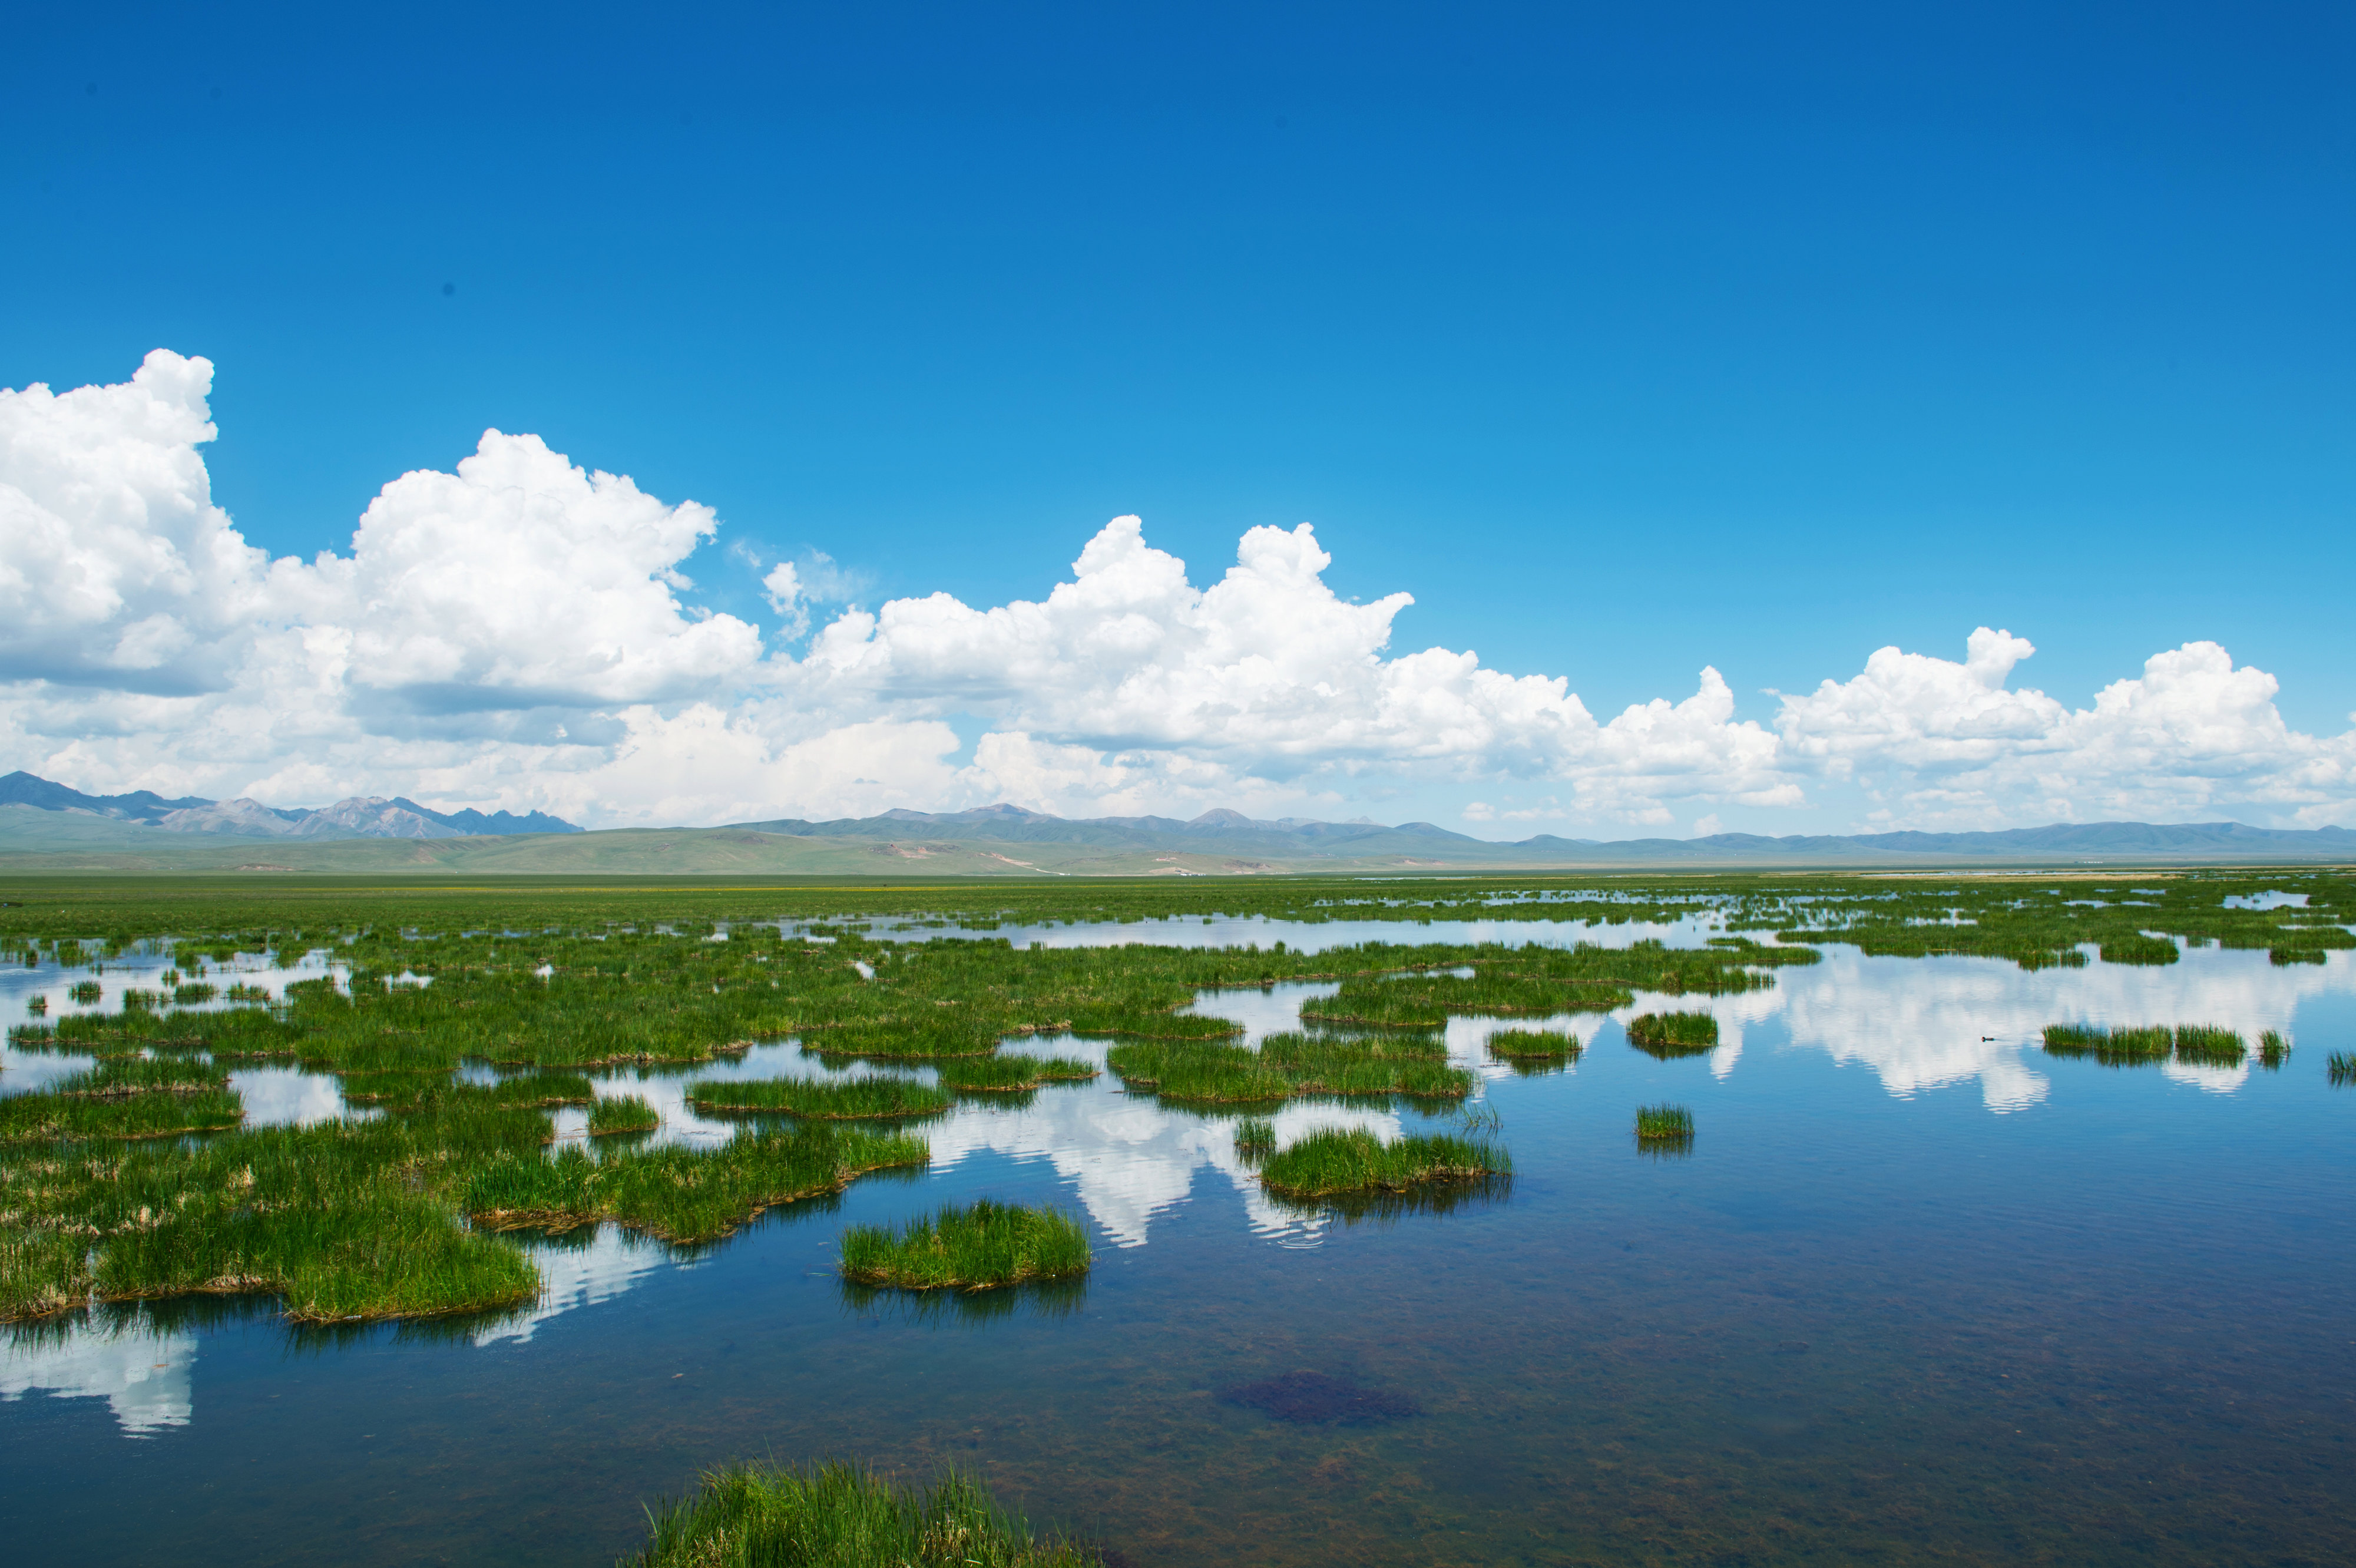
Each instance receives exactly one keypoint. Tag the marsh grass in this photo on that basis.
(1255, 1138)
(1010, 1073)
(2274, 1049)
(1664, 1124)
(1289, 1065)
(2340, 1066)
(2110, 1047)
(979, 1247)
(841, 1099)
(675, 1193)
(1334, 1160)
(1550, 1047)
(1665, 1036)
(622, 1113)
(838, 1516)
(2138, 949)
(2205, 1044)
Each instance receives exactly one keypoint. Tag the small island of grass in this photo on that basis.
(979, 1247)
(1666, 1034)
(1011, 1074)
(1336, 1161)
(1535, 1046)
(1664, 1124)
(623, 1113)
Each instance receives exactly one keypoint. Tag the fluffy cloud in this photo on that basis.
(519, 633)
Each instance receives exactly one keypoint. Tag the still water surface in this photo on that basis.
(1919, 1292)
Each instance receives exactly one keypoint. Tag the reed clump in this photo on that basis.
(981, 1246)
(1664, 1124)
(840, 1099)
(2205, 1044)
(1336, 1160)
(620, 1115)
(1535, 1046)
(1255, 1138)
(2274, 1049)
(2340, 1066)
(838, 1516)
(2112, 1047)
(1670, 1035)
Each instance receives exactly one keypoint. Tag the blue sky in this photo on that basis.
(1627, 340)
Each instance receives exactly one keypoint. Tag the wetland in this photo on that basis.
(384, 1220)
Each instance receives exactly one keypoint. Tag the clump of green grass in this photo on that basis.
(1010, 1073)
(241, 991)
(841, 1100)
(1255, 1138)
(2274, 1049)
(2205, 1044)
(979, 1247)
(194, 990)
(1667, 1034)
(836, 1516)
(2138, 948)
(1664, 1124)
(1535, 1046)
(921, 1039)
(2283, 955)
(622, 1113)
(1336, 1160)
(2341, 1066)
(87, 991)
(2112, 1047)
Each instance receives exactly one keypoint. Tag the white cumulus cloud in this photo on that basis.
(521, 632)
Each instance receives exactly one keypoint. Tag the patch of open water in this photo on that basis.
(1918, 1292)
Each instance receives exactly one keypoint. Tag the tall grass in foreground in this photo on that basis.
(979, 1247)
(837, 1516)
(1335, 1160)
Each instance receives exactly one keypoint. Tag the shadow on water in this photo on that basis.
(1321, 1399)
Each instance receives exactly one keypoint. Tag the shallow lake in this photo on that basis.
(1918, 1292)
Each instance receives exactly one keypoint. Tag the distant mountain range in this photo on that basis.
(358, 817)
(44, 824)
(1290, 838)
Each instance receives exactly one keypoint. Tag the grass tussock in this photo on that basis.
(841, 1099)
(1217, 1073)
(2205, 1044)
(1255, 1138)
(1670, 1035)
(838, 1516)
(2274, 1049)
(2340, 1066)
(979, 1247)
(1664, 1124)
(1535, 1046)
(620, 1115)
(1336, 1161)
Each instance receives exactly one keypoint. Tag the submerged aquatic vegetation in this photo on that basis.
(836, 1516)
(1664, 1123)
(1337, 1160)
(622, 1113)
(1668, 1035)
(979, 1247)
(841, 1099)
